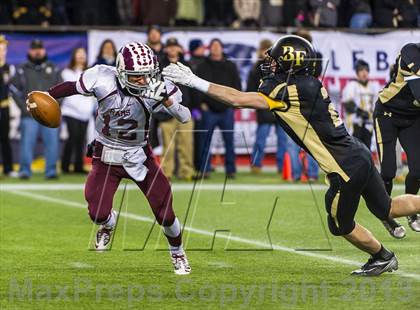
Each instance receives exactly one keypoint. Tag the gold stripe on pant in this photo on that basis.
(177, 137)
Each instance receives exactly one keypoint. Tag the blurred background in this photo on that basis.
(44, 42)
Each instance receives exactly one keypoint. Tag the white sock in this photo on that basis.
(174, 230)
(111, 221)
(176, 249)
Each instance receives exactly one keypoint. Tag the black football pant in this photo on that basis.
(363, 135)
(389, 128)
(6, 151)
(75, 144)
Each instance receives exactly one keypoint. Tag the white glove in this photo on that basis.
(181, 74)
(157, 91)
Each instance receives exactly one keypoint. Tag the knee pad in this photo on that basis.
(344, 229)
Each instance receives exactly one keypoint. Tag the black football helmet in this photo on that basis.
(290, 54)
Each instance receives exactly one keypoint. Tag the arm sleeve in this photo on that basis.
(63, 90)
(85, 85)
(414, 86)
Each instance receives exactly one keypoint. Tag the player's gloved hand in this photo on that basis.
(157, 91)
(362, 114)
(181, 74)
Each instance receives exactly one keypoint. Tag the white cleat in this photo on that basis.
(414, 222)
(180, 262)
(104, 237)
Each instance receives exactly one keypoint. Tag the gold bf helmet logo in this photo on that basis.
(289, 54)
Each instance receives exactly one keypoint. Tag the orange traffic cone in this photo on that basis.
(287, 167)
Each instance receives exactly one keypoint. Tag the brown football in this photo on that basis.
(46, 109)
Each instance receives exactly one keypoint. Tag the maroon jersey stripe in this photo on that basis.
(109, 95)
(82, 84)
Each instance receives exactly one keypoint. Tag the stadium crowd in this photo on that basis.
(235, 13)
(185, 157)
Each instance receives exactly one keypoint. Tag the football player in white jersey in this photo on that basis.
(128, 95)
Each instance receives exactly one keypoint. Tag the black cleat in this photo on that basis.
(414, 222)
(394, 228)
(375, 267)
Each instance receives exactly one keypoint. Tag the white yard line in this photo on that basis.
(210, 233)
(176, 187)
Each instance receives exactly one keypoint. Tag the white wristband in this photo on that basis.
(200, 84)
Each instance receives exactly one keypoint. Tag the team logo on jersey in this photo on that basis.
(290, 54)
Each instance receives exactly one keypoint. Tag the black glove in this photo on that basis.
(362, 114)
(350, 107)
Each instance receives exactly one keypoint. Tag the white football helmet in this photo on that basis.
(137, 59)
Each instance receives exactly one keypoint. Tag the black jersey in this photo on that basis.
(396, 97)
(303, 108)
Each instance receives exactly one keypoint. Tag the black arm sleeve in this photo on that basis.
(415, 88)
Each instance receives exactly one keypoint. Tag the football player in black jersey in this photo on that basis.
(397, 116)
(303, 108)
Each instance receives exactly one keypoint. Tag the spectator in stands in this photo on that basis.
(271, 13)
(60, 13)
(31, 12)
(6, 73)
(37, 73)
(189, 13)
(155, 12)
(296, 13)
(218, 12)
(265, 118)
(407, 13)
(125, 12)
(324, 12)
(197, 52)
(93, 12)
(216, 68)
(359, 97)
(385, 13)
(154, 41)
(248, 13)
(6, 12)
(177, 137)
(107, 53)
(361, 14)
(76, 111)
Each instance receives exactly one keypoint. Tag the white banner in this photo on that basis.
(340, 51)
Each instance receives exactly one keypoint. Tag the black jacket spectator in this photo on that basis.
(384, 13)
(218, 12)
(407, 13)
(222, 72)
(155, 12)
(33, 76)
(93, 12)
(254, 77)
(5, 12)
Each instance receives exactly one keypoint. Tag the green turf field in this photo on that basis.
(258, 244)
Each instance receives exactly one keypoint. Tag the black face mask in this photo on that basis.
(37, 61)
